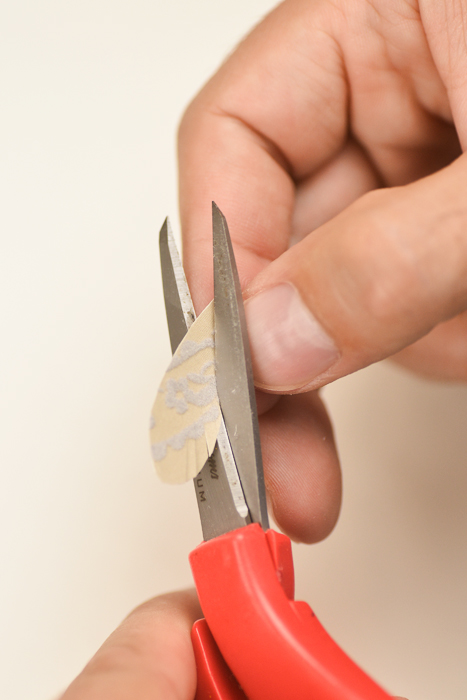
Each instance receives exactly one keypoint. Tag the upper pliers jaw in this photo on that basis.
(234, 373)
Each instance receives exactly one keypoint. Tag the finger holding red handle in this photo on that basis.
(275, 647)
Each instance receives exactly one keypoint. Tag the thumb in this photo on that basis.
(371, 281)
(149, 656)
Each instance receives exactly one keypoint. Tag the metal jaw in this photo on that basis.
(230, 487)
(218, 490)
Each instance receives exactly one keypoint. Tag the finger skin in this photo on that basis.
(301, 466)
(441, 354)
(149, 656)
(233, 151)
(394, 265)
(302, 471)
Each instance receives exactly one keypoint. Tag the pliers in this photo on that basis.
(255, 642)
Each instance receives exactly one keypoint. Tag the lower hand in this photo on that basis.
(149, 656)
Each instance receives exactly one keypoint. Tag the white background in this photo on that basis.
(91, 93)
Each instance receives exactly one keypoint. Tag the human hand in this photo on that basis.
(149, 656)
(334, 126)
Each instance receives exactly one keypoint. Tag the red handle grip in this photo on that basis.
(275, 647)
(215, 680)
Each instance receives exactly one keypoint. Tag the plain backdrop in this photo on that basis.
(91, 93)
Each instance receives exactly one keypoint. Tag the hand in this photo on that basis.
(334, 126)
(320, 106)
(149, 656)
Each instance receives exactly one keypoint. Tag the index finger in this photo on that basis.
(246, 139)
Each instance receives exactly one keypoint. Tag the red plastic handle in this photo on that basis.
(215, 680)
(275, 647)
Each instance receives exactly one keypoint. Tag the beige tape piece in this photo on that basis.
(185, 418)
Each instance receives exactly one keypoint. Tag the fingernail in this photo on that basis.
(289, 347)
